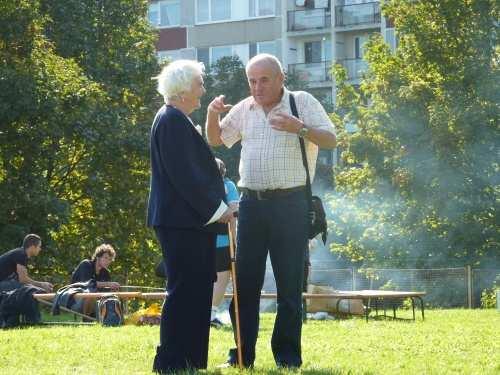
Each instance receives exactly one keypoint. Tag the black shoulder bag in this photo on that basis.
(317, 216)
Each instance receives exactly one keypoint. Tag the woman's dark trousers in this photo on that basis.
(189, 256)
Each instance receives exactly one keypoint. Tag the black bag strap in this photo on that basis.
(293, 107)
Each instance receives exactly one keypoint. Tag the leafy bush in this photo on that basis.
(488, 296)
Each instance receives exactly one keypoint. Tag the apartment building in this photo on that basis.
(306, 35)
(210, 29)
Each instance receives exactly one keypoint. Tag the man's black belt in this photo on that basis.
(270, 194)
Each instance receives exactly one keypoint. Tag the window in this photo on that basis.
(153, 14)
(225, 10)
(327, 49)
(312, 52)
(220, 9)
(210, 55)
(168, 55)
(391, 38)
(267, 47)
(213, 10)
(203, 10)
(165, 13)
(241, 50)
(354, 2)
(263, 47)
(359, 45)
(204, 56)
(218, 52)
(318, 4)
(259, 8)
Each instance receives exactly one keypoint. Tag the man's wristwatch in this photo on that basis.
(303, 132)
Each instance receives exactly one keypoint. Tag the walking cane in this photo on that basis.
(235, 294)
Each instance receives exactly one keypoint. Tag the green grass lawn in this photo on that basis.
(447, 342)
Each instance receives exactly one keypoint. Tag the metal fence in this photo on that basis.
(445, 287)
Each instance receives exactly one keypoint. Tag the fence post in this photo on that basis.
(353, 270)
(468, 270)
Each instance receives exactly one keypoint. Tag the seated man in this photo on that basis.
(97, 268)
(13, 265)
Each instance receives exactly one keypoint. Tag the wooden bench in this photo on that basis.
(367, 296)
(377, 296)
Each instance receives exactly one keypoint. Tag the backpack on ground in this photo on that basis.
(18, 307)
(110, 311)
(65, 296)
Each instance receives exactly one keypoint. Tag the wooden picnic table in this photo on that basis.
(366, 296)
(377, 296)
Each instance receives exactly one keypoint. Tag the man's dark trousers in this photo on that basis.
(189, 256)
(278, 226)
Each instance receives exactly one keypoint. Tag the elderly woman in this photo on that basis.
(185, 200)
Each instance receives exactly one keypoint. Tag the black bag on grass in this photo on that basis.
(110, 311)
(19, 307)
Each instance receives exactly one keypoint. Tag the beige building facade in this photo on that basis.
(308, 36)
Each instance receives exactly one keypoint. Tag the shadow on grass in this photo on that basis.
(275, 371)
(49, 325)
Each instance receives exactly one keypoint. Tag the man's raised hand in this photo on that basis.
(217, 105)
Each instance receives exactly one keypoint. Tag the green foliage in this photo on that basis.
(489, 296)
(225, 77)
(76, 106)
(447, 342)
(419, 185)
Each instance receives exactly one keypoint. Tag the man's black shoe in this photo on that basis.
(288, 366)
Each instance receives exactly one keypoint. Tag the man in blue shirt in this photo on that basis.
(222, 258)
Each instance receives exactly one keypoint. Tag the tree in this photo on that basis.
(46, 104)
(77, 106)
(225, 77)
(114, 44)
(420, 181)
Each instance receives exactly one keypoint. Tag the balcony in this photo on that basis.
(312, 72)
(357, 14)
(299, 20)
(354, 67)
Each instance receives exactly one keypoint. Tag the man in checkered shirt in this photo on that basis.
(273, 206)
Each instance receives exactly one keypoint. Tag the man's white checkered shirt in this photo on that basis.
(271, 159)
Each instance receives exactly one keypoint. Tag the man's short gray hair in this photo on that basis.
(268, 59)
(177, 77)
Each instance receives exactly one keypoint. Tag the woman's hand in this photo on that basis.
(226, 216)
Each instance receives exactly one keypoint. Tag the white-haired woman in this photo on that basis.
(185, 203)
